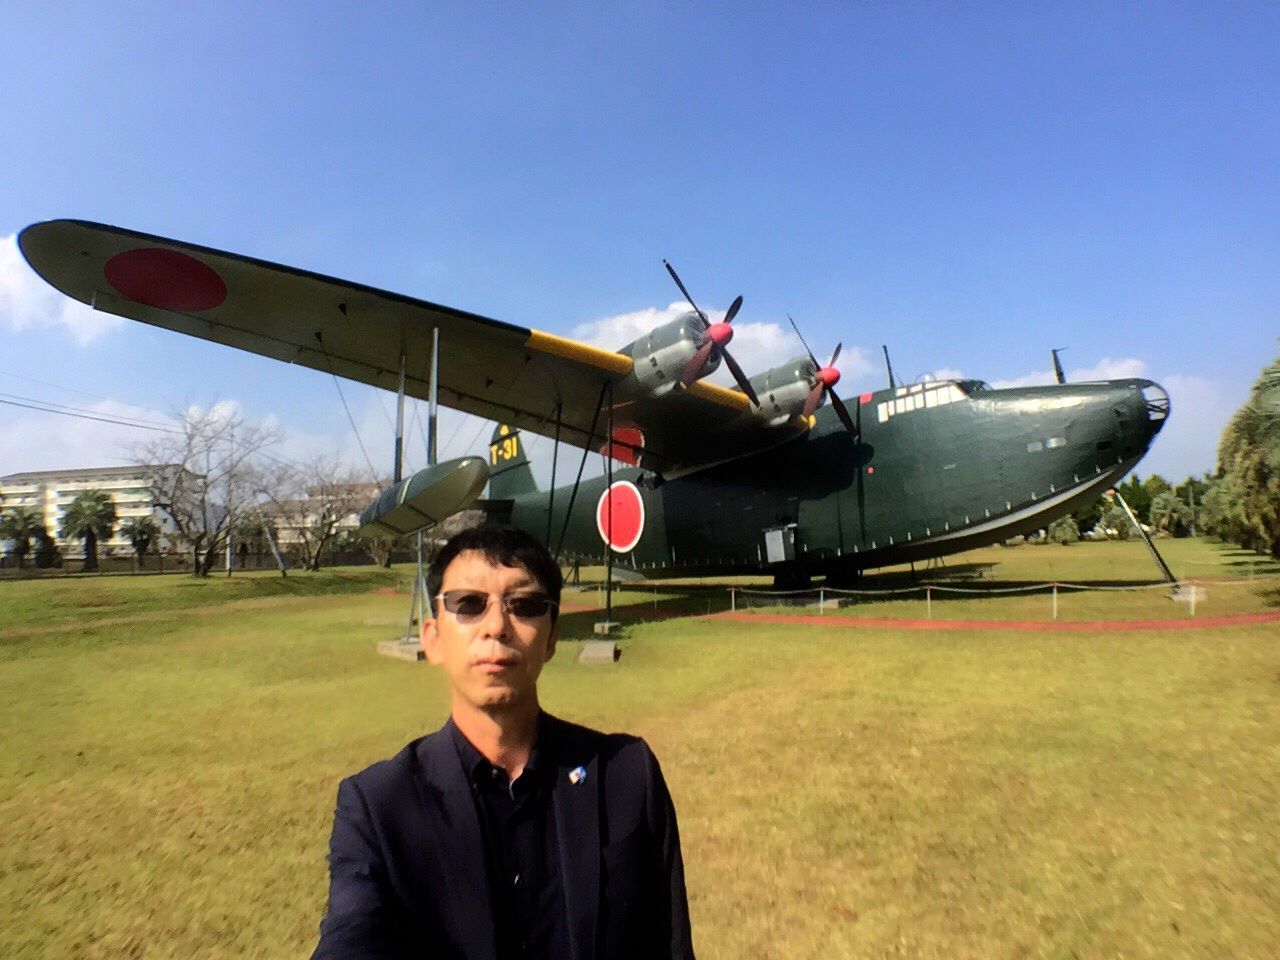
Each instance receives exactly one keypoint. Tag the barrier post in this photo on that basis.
(821, 600)
(733, 600)
(928, 603)
(1193, 598)
(1055, 599)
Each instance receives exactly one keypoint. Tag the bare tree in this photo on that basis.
(205, 475)
(309, 502)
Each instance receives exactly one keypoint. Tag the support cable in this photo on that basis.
(350, 419)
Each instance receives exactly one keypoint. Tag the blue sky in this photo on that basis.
(969, 183)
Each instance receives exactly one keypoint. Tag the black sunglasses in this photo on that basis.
(470, 605)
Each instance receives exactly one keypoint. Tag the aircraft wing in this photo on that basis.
(533, 380)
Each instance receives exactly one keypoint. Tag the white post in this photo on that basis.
(1055, 600)
(928, 603)
(821, 605)
(733, 600)
(1192, 587)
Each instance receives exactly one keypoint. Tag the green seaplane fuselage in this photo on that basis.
(937, 468)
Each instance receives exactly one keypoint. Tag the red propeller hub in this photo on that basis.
(720, 334)
(829, 376)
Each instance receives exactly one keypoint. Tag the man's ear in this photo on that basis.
(551, 641)
(430, 640)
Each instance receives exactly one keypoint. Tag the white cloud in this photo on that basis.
(30, 440)
(27, 302)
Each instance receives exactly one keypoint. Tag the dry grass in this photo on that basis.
(168, 770)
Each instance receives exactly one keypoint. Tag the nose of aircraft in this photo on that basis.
(1157, 400)
(1146, 408)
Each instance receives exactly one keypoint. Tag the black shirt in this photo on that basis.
(522, 860)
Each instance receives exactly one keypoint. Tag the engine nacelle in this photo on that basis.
(661, 355)
(784, 389)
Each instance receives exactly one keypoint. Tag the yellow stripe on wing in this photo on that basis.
(721, 395)
(615, 363)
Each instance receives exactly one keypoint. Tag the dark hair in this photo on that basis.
(504, 547)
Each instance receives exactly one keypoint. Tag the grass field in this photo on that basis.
(171, 751)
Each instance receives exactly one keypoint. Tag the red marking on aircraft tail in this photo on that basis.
(865, 398)
(626, 446)
(166, 279)
(620, 516)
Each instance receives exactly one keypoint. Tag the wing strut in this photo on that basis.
(555, 455)
(608, 506)
(586, 449)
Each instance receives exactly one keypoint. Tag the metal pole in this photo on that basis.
(1055, 600)
(433, 397)
(1164, 567)
(274, 549)
(555, 456)
(608, 550)
(399, 453)
(928, 603)
(228, 552)
(821, 600)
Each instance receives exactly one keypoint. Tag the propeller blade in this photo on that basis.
(843, 413)
(812, 401)
(1057, 365)
(693, 369)
(676, 277)
(741, 377)
(733, 310)
(802, 342)
(835, 356)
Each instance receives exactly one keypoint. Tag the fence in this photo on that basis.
(1189, 591)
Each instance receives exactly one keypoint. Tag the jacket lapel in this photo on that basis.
(576, 801)
(468, 912)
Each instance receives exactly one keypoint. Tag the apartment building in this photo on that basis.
(50, 492)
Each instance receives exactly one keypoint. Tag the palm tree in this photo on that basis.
(90, 517)
(19, 525)
(142, 533)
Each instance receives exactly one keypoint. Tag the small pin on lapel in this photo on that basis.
(577, 775)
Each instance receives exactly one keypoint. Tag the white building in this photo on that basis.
(50, 492)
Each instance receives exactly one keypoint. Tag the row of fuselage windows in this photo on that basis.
(919, 396)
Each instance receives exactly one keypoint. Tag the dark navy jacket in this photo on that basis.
(406, 861)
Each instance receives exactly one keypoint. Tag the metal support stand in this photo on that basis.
(419, 602)
(608, 529)
(266, 528)
(1164, 567)
(555, 456)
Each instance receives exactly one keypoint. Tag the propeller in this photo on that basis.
(825, 380)
(715, 342)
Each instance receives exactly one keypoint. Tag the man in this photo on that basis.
(506, 833)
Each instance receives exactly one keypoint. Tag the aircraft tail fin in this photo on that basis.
(509, 470)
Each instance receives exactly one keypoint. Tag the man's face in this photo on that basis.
(493, 662)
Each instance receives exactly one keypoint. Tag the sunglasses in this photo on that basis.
(468, 606)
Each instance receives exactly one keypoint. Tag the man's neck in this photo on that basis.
(504, 737)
